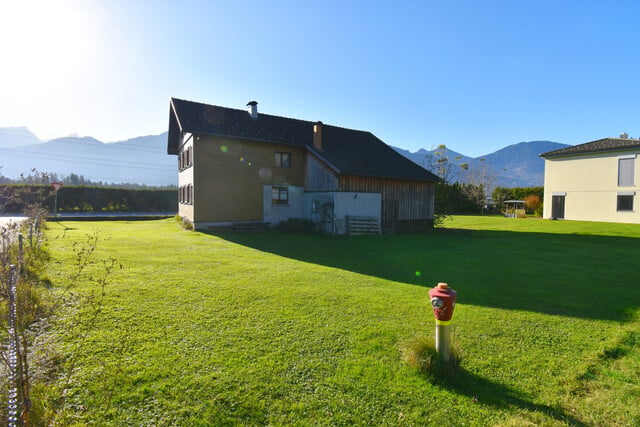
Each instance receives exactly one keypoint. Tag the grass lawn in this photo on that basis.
(284, 328)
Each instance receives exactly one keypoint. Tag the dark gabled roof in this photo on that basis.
(347, 151)
(601, 145)
(206, 119)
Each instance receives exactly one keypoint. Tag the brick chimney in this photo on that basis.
(253, 109)
(317, 136)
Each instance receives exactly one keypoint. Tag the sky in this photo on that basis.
(473, 75)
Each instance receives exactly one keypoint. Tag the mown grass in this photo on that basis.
(283, 328)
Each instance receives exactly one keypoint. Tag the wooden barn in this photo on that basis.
(237, 166)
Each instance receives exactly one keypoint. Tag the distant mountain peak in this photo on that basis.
(16, 137)
(516, 165)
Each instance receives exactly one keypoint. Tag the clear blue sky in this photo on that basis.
(474, 75)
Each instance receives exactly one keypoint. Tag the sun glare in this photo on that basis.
(49, 47)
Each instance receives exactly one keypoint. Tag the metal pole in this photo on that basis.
(443, 340)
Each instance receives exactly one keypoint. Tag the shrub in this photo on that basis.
(185, 222)
(533, 202)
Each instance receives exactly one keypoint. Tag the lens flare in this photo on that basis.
(418, 273)
(224, 148)
(265, 173)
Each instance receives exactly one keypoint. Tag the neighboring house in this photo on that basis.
(596, 181)
(238, 166)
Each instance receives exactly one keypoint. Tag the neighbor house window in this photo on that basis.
(625, 201)
(279, 195)
(626, 170)
(283, 160)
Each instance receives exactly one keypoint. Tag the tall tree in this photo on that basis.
(478, 181)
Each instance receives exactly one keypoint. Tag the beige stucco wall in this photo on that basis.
(591, 186)
(229, 175)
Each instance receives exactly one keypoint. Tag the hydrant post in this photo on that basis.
(443, 301)
(443, 341)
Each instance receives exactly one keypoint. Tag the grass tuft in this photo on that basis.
(420, 353)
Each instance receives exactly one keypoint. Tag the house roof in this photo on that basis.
(601, 145)
(347, 151)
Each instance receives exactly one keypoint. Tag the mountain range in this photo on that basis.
(141, 160)
(144, 160)
(517, 165)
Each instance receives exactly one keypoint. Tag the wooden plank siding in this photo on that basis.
(319, 177)
(406, 205)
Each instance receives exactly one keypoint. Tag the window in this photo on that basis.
(185, 194)
(625, 202)
(283, 160)
(279, 195)
(626, 170)
(185, 158)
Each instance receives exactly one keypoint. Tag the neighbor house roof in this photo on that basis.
(347, 151)
(601, 145)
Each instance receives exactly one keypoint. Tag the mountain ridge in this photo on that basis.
(516, 165)
(144, 159)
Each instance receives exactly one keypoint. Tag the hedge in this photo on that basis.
(16, 197)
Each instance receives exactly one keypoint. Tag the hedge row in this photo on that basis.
(16, 197)
(517, 193)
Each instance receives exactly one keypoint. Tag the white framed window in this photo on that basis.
(279, 195)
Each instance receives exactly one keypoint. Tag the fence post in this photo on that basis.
(12, 410)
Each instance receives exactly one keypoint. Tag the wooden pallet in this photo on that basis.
(358, 225)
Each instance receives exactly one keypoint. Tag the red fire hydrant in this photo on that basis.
(443, 301)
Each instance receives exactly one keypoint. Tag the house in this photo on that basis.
(595, 181)
(238, 166)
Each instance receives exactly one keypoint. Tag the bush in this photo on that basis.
(184, 222)
(89, 199)
(533, 202)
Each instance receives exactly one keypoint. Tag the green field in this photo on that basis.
(299, 329)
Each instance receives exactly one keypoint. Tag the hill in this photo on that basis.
(517, 165)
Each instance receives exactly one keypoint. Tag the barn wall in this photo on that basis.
(406, 205)
(319, 177)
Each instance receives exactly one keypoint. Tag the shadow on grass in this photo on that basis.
(569, 275)
(485, 392)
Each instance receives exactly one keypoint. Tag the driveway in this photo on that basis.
(6, 220)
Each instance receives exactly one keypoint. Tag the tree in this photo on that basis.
(533, 204)
(478, 180)
(499, 195)
(439, 163)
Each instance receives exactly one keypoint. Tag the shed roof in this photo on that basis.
(598, 146)
(347, 151)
